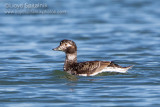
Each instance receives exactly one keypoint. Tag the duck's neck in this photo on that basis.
(71, 58)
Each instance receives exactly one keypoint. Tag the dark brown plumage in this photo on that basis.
(87, 68)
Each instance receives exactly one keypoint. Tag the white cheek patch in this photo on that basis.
(68, 45)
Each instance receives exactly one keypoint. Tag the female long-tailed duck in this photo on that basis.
(88, 68)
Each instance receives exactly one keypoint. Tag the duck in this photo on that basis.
(87, 68)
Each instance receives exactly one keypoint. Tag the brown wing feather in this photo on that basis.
(103, 64)
(90, 67)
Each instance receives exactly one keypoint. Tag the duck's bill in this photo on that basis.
(57, 49)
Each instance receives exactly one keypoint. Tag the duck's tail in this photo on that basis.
(129, 67)
(112, 64)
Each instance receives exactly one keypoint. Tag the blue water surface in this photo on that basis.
(124, 31)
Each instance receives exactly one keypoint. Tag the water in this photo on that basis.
(124, 31)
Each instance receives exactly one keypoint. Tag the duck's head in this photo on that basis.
(67, 46)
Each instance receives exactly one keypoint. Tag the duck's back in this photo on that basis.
(91, 68)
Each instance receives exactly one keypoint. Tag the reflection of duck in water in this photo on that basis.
(88, 68)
